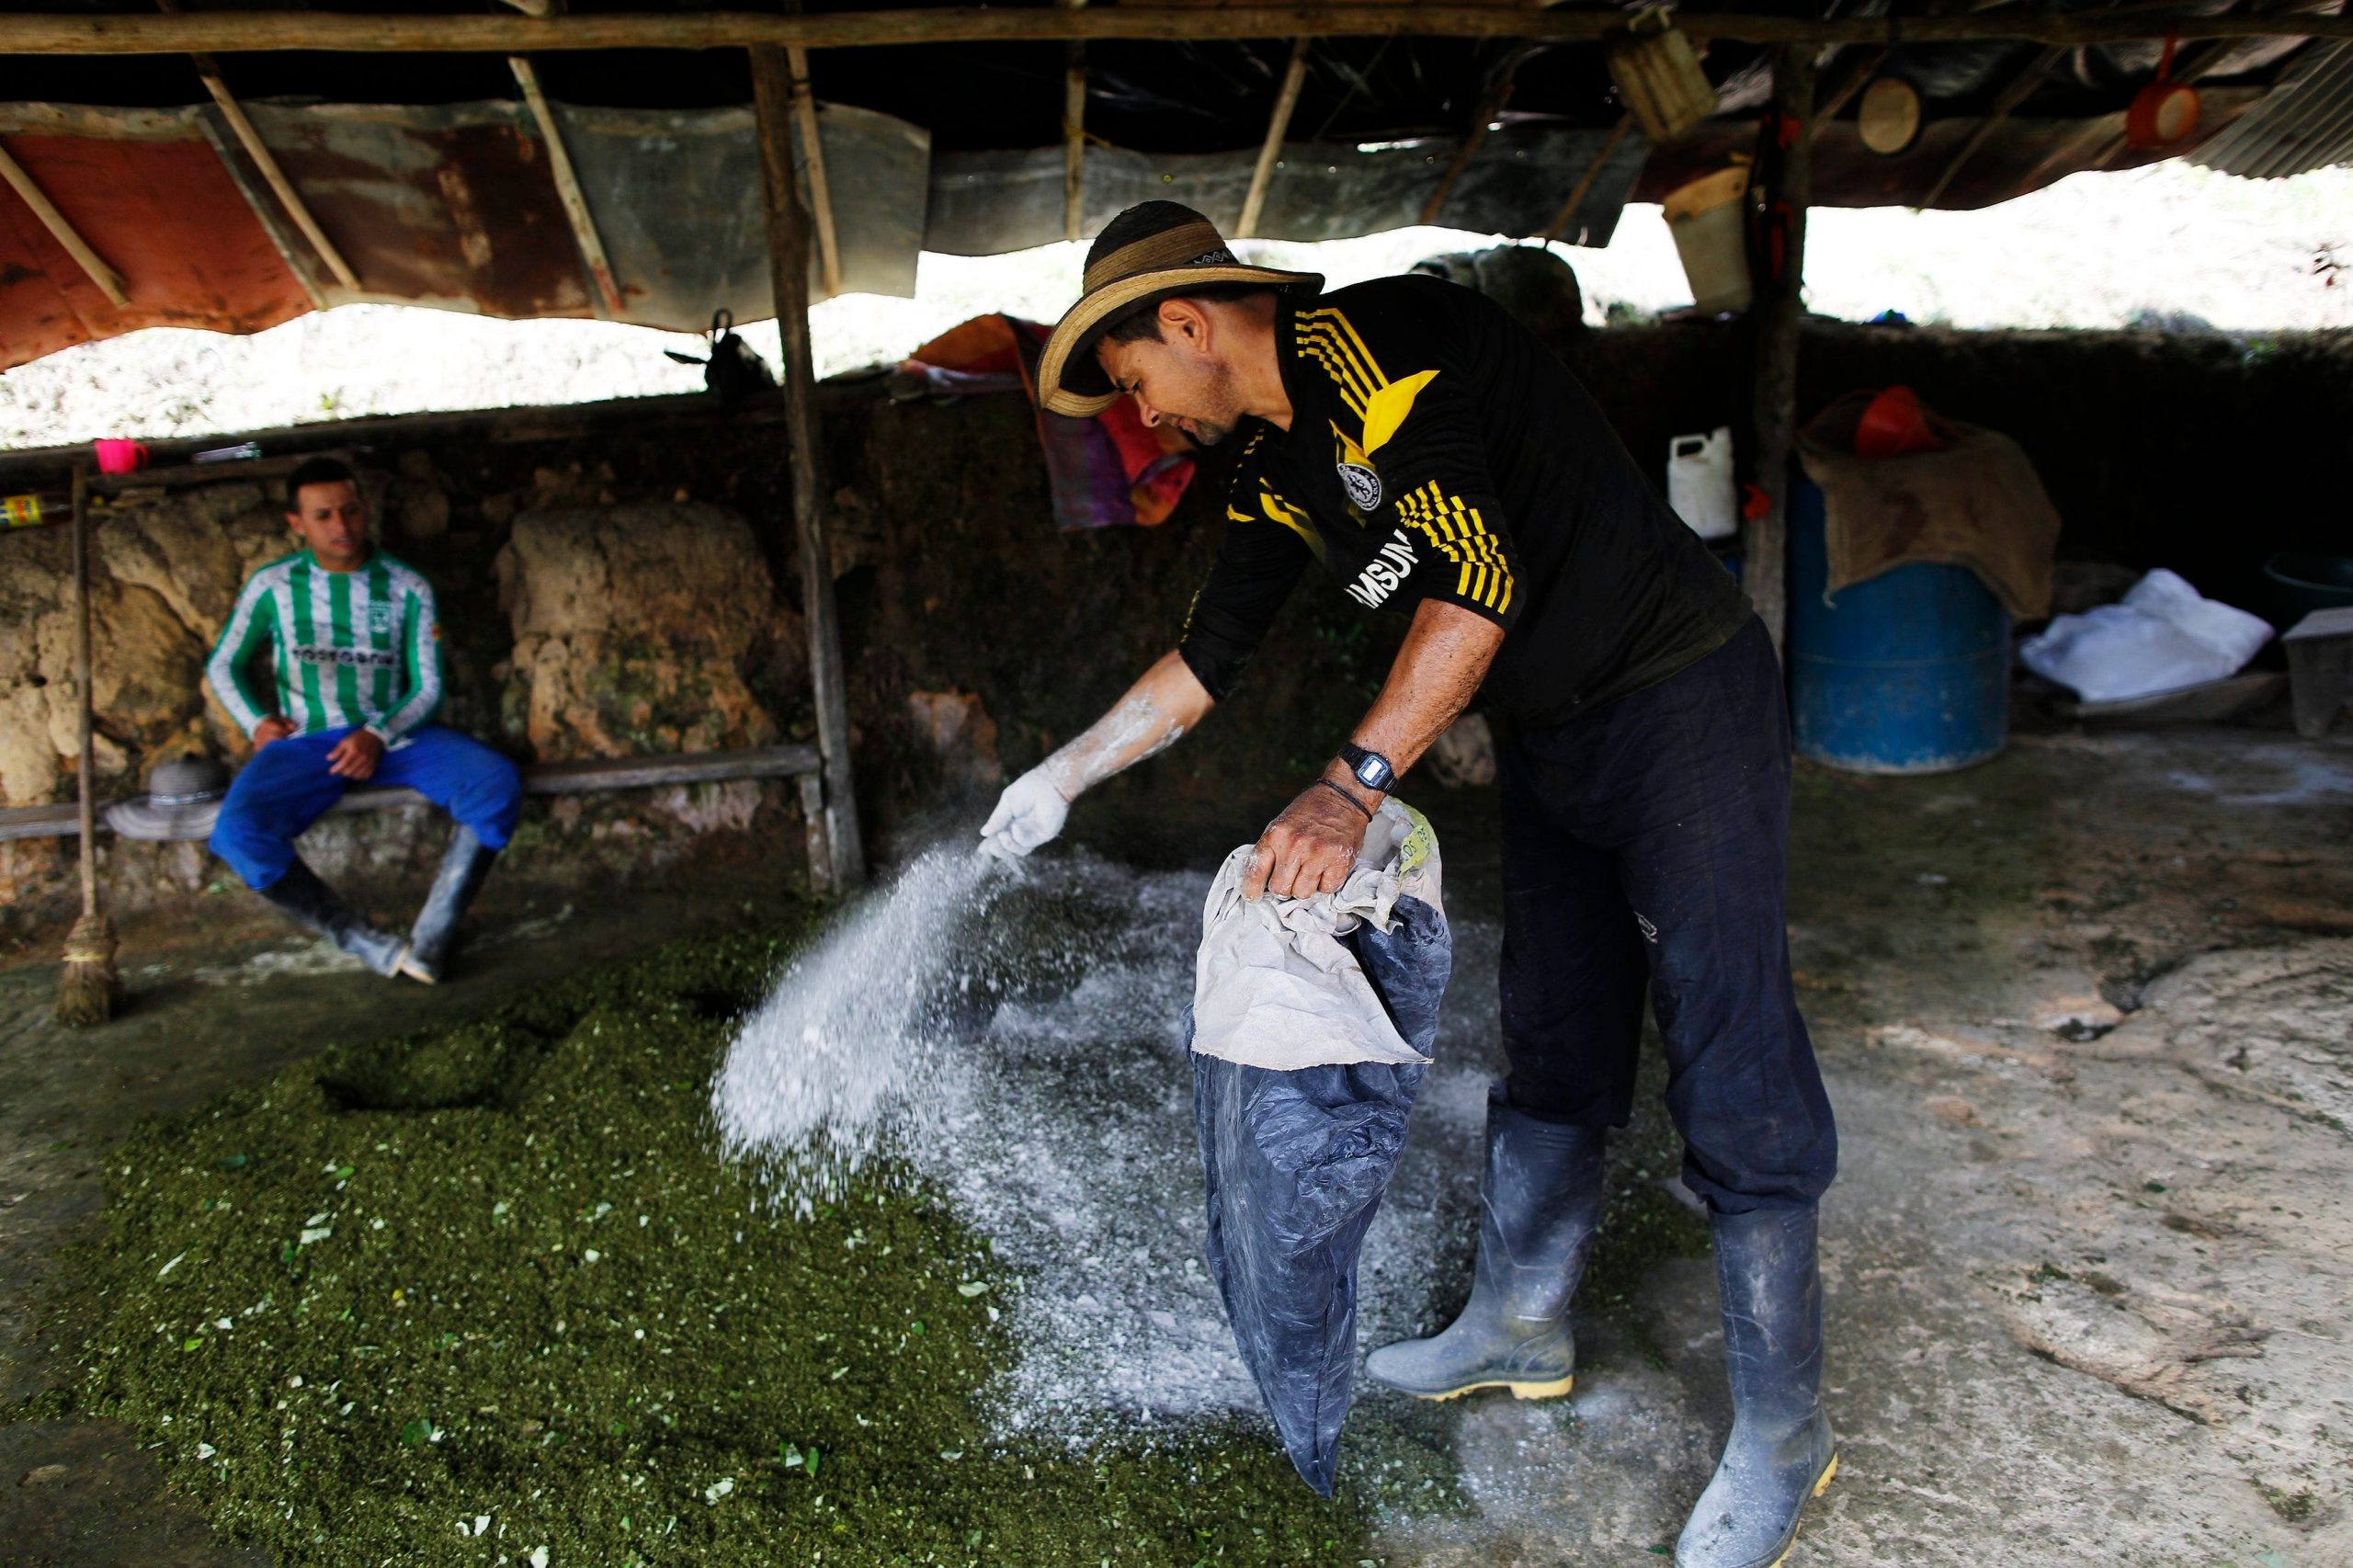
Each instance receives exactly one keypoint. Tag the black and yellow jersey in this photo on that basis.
(1438, 450)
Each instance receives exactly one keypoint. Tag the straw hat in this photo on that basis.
(182, 800)
(1149, 252)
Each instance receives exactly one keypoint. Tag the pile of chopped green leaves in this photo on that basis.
(488, 1295)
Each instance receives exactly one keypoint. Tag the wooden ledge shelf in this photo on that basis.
(592, 776)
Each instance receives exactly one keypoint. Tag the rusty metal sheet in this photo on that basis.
(985, 203)
(148, 193)
(2304, 122)
(447, 204)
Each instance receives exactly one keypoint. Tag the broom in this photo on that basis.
(91, 985)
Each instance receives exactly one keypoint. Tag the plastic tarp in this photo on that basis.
(1311, 1031)
(2163, 637)
(986, 203)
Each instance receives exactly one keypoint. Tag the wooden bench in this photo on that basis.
(594, 775)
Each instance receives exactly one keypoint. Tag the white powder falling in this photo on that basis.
(1016, 1036)
(817, 1083)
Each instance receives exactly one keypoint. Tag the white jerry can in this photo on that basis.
(1698, 482)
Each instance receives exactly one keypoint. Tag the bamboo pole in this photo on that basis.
(812, 154)
(787, 228)
(1491, 104)
(1560, 223)
(85, 666)
(1074, 133)
(567, 183)
(1786, 171)
(93, 266)
(1271, 151)
(266, 162)
(1858, 76)
(503, 33)
(263, 214)
(90, 986)
(208, 71)
(2020, 88)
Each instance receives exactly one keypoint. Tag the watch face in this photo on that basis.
(1374, 773)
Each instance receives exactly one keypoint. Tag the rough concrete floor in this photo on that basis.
(2088, 1018)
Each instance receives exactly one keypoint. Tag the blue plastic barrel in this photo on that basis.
(1907, 673)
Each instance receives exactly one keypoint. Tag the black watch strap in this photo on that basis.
(1371, 769)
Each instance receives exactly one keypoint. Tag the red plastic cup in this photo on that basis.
(117, 455)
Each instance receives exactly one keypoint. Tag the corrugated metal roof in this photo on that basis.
(2304, 122)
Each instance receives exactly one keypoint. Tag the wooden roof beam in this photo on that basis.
(813, 156)
(110, 282)
(209, 72)
(507, 33)
(1271, 151)
(1491, 104)
(2021, 88)
(567, 184)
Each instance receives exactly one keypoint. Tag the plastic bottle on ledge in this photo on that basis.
(36, 509)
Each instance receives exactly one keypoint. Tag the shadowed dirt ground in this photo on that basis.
(2084, 1011)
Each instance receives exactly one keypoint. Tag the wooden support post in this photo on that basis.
(821, 191)
(1271, 151)
(85, 696)
(93, 268)
(789, 270)
(1785, 170)
(2020, 88)
(1560, 222)
(567, 184)
(1491, 104)
(1074, 133)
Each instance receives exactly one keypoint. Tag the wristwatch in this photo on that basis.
(1371, 769)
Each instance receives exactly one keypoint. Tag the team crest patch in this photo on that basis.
(1362, 484)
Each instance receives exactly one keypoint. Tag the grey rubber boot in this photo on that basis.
(1540, 1203)
(464, 865)
(1781, 1453)
(309, 902)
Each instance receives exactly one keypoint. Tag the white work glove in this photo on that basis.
(1030, 811)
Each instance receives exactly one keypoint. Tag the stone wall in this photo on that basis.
(622, 578)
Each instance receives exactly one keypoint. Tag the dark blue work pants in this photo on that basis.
(1646, 844)
(286, 787)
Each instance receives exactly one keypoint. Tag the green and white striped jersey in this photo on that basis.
(347, 648)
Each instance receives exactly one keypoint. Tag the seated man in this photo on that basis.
(357, 656)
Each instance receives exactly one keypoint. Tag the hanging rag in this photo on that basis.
(1310, 1030)
(1977, 503)
(1111, 471)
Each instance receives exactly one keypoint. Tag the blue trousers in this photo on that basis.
(1645, 848)
(286, 787)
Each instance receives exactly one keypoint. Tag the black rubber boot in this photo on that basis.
(1540, 1203)
(300, 894)
(1780, 1452)
(464, 865)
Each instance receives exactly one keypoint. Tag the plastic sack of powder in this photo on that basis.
(1311, 1029)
